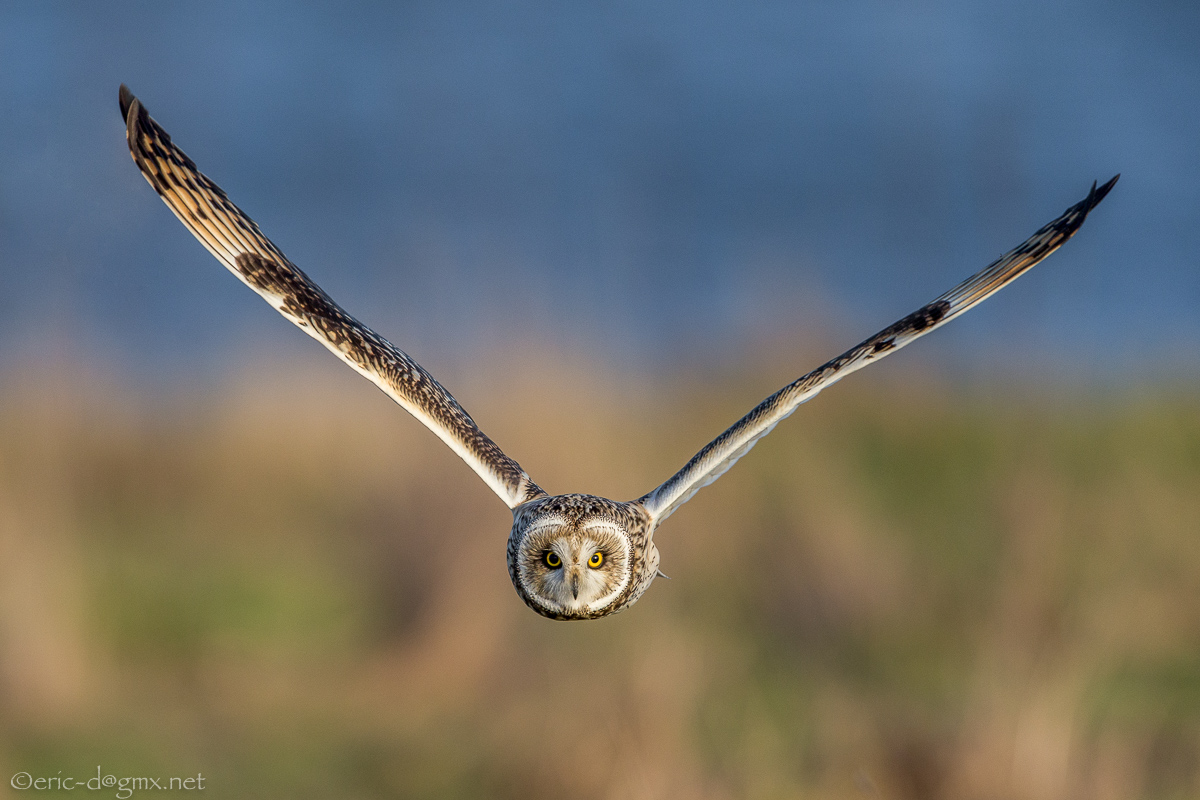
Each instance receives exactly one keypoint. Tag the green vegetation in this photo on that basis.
(901, 593)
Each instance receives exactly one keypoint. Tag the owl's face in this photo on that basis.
(574, 570)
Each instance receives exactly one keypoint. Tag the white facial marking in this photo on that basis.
(574, 586)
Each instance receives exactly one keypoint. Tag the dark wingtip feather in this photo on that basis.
(1099, 194)
(126, 97)
(1076, 214)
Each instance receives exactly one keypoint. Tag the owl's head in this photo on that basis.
(569, 562)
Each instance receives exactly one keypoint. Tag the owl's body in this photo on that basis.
(572, 556)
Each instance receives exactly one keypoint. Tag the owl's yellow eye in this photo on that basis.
(552, 560)
(596, 560)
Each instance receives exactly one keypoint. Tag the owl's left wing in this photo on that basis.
(234, 238)
(720, 454)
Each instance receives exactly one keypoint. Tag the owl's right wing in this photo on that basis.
(237, 243)
(720, 454)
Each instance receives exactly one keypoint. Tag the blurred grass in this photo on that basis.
(903, 592)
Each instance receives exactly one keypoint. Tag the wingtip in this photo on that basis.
(1094, 196)
(126, 99)
(1100, 193)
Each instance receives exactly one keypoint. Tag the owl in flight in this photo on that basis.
(570, 556)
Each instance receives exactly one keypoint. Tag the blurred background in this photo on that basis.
(972, 571)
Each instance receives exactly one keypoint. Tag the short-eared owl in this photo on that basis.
(572, 556)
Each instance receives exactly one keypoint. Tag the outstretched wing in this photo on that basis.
(711, 462)
(237, 243)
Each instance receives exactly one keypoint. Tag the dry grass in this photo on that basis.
(899, 594)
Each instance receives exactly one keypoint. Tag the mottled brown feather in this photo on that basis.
(236, 241)
(720, 454)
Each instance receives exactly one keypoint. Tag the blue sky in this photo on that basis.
(644, 183)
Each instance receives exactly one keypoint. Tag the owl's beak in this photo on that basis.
(575, 584)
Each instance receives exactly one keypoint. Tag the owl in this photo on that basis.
(570, 556)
